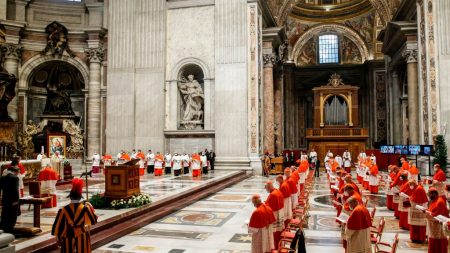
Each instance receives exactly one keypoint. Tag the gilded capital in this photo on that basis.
(11, 51)
(410, 55)
(269, 60)
(95, 54)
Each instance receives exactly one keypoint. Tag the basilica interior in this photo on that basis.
(244, 79)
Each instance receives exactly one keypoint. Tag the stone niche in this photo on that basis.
(189, 110)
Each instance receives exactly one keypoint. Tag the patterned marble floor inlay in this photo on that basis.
(215, 205)
(175, 234)
(241, 238)
(377, 200)
(217, 224)
(197, 218)
(229, 198)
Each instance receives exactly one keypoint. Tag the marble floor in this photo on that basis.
(157, 187)
(216, 224)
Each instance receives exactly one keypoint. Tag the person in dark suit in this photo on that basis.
(9, 185)
(212, 159)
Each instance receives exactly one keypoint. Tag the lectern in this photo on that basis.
(122, 181)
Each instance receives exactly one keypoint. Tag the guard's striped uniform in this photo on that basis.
(70, 227)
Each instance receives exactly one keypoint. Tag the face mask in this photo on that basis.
(411, 187)
(345, 193)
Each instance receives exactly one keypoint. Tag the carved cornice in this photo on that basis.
(11, 51)
(96, 55)
(269, 60)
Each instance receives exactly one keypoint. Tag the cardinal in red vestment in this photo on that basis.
(260, 227)
(437, 240)
(275, 201)
(357, 231)
(417, 219)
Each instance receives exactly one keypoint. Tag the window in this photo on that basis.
(328, 49)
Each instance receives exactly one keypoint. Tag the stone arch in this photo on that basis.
(27, 69)
(333, 28)
(187, 61)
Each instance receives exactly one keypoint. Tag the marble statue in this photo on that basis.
(193, 99)
(7, 93)
(76, 137)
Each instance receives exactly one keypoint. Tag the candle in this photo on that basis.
(42, 149)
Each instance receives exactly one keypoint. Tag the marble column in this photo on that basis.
(268, 103)
(396, 108)
(278, 112)
(94, 100)
(12, 54)
(410, 55)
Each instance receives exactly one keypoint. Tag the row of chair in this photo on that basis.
(300, 219)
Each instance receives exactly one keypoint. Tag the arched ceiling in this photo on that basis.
(317, 11)
(314, 9)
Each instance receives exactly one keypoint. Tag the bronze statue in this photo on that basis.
(7, 93)
(57, 40)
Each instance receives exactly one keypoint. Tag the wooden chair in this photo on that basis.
(377, 232)
(34, 189)
(373, 212)
(392, 246)
(284, 246)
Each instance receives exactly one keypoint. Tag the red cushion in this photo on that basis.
(286, 234)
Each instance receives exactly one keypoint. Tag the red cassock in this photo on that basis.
(285, 190)
(404, 208)
(358, 198)
(292, 185)
(437, 241)
(440, 176)
(48, 178)
(275, 201)
(405, 166)
(262, 217)
(418, 233)
(373, 172)
(397, 182)
(295, 176)
(359, 218)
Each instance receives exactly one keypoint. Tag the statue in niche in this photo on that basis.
(193, 99)
(57, 40)
(58, 100)
(7, 93)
